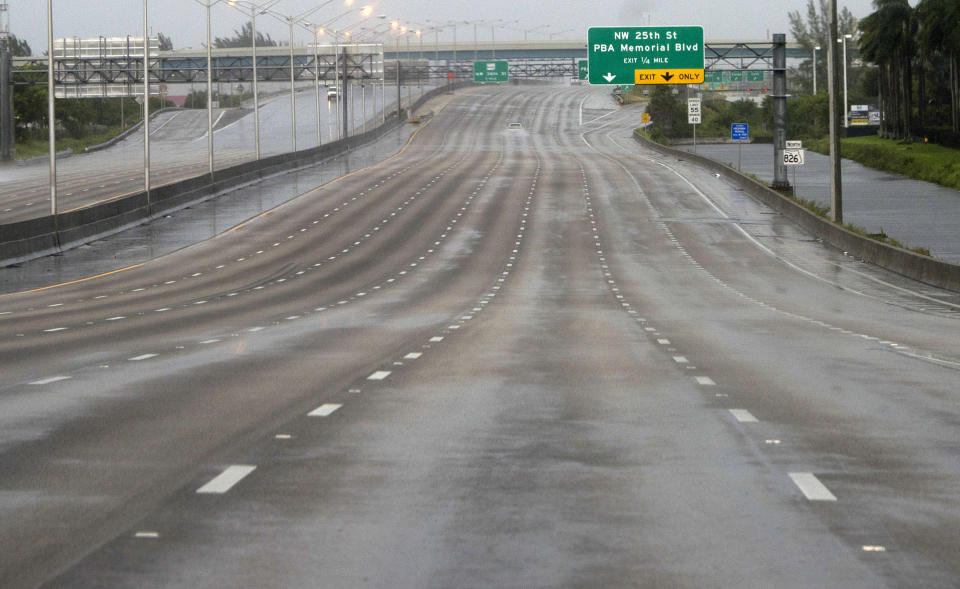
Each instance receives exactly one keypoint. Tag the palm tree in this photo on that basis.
(888, 41)
(939, 34)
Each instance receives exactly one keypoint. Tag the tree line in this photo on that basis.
(902, 59)
(915, 50)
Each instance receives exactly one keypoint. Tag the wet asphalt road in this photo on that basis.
(178, 150)
(537, 357)
(918, 214)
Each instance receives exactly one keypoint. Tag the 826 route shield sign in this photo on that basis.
(645, 55)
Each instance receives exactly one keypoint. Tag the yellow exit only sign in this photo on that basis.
(685, 76)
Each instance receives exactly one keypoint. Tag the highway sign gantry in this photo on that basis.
(490, 71)
(645, 55)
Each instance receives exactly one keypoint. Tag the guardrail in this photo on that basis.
(34, 238)
(904, 262)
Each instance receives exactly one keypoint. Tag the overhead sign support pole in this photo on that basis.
(780, 181)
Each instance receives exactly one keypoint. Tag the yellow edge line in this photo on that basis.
(264, 214)
(79, 280)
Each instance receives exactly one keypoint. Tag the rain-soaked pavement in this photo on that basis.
(202, 221)
(918, 214)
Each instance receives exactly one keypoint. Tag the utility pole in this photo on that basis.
(833, 82)
(6, 87)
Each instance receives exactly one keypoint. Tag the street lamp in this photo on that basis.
(375, 34)
(291, 21)
(51, 114)
(254, 9)
(146, 106)
(525, 31)
(365, 13)
(208, 4)
(846, 106)
(815, 49)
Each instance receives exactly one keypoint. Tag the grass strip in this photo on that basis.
(919, 161)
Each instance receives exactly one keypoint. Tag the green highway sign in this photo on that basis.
(754, 76)
(713, 77)
(490, 71)
(582, 68)
(736, 76)
(645, 55)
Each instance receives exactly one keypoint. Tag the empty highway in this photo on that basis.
(512, 355)
(178, 150)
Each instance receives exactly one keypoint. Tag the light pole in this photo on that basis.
(292, 20)
(525, 31)
(254, 9)
(846, 105)
(815, 49)
(146, 106)
(372, 34)
(51, 115)
(316, 76)
(344, 90)
(208, 4)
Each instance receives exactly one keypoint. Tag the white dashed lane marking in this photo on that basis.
(413, 356)
(744, 416)
(705, 381)
(49, 380)
(811, 486)
(142, 357)
(324, 410)
(379, 375)
(227, 479)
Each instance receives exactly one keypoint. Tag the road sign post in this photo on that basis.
(793, 156)
(645, 55)
(739, 132)
(693, 117)
(490, 71)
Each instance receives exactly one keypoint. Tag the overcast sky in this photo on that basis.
(183, 20)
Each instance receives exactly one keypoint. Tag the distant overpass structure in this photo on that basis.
(421, 60)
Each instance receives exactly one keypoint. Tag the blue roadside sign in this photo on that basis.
(740, 131)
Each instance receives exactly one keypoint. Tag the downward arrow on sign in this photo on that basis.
(667, 76)
(609, 77)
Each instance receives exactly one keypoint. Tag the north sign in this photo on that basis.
(645, 55)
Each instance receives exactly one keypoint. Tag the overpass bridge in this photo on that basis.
(422, 60)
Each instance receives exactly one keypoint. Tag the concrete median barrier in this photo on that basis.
(26, 240)
(904, 262)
